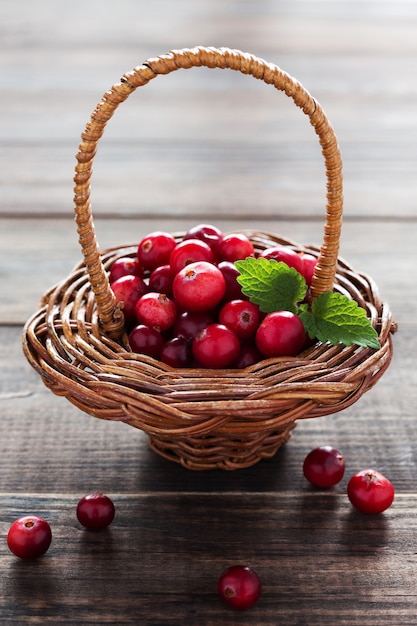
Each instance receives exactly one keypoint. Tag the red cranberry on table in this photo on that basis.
(95, 511)
(324, 466)
(239, 587)
(370, 492)
(29, 537)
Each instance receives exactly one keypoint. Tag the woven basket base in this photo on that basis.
(211, 452)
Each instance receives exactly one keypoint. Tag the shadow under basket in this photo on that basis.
(201, 418)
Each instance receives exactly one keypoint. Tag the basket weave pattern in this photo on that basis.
(201, 418)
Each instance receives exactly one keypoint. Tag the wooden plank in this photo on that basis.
(164, 553)
(35, 253)
(210, 177)
(181, 121)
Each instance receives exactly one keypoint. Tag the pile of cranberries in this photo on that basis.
(183, 305)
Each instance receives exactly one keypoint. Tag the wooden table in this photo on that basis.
(191, 147)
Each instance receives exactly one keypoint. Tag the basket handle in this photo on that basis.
(109, 312)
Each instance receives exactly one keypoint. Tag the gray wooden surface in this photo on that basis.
(204, 145)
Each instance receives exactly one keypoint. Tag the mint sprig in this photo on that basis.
(332, 316)
(271, 284)
(336, 318)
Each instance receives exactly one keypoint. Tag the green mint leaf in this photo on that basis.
(270, 284)
(338, 319)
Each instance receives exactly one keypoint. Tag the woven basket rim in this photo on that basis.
(67, 330)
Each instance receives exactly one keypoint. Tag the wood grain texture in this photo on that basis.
(166, 565)
(200, 133)
(205, 145)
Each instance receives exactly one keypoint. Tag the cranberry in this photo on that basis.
(189, 251)
(161, 280)
(181, 287)
(199, 286)
(146, 340)
(324, 466)
(240, 316)
(156, 310)
(285, 255)
(155, 249)
(235, 247)
(216, 346)
(211, 235)
(230, 273)
(128, 289)
(95, 511)
(309, 265)
(29, 537)
(189, 323)
(248, 355)
(124, 266)
(280, 334)
(370, 492)
(239, 586)
(176, 352)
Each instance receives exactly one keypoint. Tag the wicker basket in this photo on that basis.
(202, 418)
